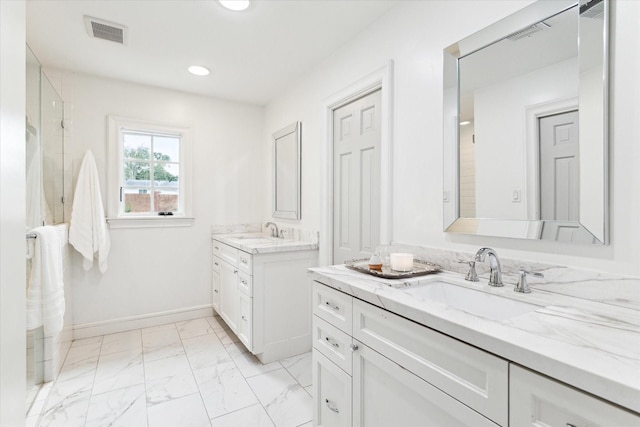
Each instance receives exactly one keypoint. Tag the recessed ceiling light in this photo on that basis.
(198, 70)
(236, 5)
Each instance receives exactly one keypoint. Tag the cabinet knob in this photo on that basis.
(331, 406)
(244, 282)
(215, 263)
(244, 318)
(215, 290)
(353, 347)
(235, 271)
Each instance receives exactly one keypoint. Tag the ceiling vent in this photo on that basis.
(527, 32)
(105, 30)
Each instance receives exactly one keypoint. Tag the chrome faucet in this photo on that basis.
(495, 272)
(274, 230)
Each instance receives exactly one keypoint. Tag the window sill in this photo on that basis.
(150, 222)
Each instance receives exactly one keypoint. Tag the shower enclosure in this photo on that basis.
(44, 139)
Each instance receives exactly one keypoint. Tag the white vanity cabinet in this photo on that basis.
(536, 400)
(373, 368)
(265, 298)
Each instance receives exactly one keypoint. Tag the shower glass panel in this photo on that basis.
(45, 172)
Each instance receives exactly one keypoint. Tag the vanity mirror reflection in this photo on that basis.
(286, 178)
(525, 126)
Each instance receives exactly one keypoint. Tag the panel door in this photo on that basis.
(386, 394)
(538, 401)
(356, 178)
(215, 281)
(229, 301)
(244, 322)
(331, 393)
(559, 167)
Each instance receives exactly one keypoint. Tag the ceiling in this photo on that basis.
(253, 55)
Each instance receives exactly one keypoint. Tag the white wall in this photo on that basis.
(12, 214)
(163, 269)
(413, 36)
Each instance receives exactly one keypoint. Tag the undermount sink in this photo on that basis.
(471, 301)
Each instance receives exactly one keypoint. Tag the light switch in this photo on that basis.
(445, 196)
(515, 197)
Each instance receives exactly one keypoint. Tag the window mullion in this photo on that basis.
(151, 176)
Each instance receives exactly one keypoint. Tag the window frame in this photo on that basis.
(117, 218)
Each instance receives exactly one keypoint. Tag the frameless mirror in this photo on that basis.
(286, 178)
(525, 126)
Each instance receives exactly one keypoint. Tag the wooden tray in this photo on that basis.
(420, 268)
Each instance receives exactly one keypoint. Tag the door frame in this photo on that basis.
(382, 79)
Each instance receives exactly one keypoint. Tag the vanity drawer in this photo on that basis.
(333, 343)
(333, 306)
(216, 264)
(244, 262)
(244, 283)
(225, 252)
(466, 373)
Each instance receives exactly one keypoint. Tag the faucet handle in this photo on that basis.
(471, 276)
(522, 286)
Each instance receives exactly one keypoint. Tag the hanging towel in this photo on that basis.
(45, 292)
(88, 231)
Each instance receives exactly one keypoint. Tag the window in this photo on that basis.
(149, 174)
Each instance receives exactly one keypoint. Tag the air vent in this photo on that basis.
(527, 32)
(105, 30)
(592, 9)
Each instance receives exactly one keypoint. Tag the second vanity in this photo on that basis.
(262, 292)
(441, 351)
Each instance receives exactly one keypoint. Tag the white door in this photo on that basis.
(559, 167)
(386, 394)
(356, 178)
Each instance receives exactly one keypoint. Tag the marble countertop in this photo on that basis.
(578, 335)
(260, 243)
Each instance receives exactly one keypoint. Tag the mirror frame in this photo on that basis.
(278, 211)
(527, 229)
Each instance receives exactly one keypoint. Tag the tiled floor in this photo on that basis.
(183, 374)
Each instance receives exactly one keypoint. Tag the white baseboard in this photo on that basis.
(95, 329)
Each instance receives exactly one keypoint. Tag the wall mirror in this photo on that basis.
(286, 167)
(525, 126)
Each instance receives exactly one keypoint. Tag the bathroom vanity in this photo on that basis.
(390, 352)
(261, 290)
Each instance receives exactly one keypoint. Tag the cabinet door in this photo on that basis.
(215, 280)
(386, 394)
(229, 302)
(331, 393)
(535, 400)
(244, 322)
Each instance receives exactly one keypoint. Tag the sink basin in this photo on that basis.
(471, 301)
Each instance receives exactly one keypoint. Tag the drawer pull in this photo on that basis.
(217, 249)
(244, 282)
(244, 318)
(244, 261)
(570, 425)
(215, 290)
(332, 342)
(353, 347)
(333, 307)
(215, 263)
(235, 271)
(331, 406)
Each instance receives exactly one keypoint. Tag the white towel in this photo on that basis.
(45, 292)
(88, 231)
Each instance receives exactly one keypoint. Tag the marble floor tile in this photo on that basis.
(159, 342)
(286, 402)
(169, 378)
(299, 367)
(119, 370)
(224, 389)
(186, 411)
(194, 328)
(120, 408)
(182, 374)
(115, 343)
(254, 416)
(205, 351)
(71, 411)
(250, 366)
